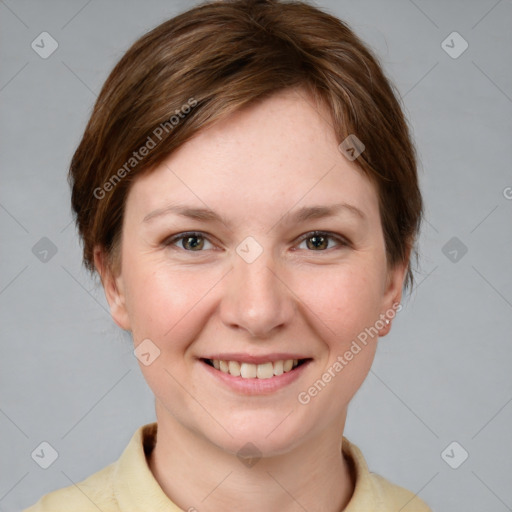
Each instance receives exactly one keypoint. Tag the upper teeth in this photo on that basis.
(252, 371)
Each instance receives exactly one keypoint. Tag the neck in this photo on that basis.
(199, 476)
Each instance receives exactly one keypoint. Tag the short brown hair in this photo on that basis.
(215, 59)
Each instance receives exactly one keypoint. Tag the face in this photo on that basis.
(255, 242)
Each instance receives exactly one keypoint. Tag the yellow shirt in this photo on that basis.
(128, 485)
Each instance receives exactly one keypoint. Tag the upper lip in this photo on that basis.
(254, 359)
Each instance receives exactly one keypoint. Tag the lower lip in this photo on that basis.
(257, 386)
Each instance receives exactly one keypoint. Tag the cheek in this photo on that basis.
(165, 307)
(165, 304)
(344, 307)
(347, 306)
(346, 299)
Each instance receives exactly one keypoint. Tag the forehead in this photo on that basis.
(272, 155)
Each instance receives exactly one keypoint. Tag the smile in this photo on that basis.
(245, 370)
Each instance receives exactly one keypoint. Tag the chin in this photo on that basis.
(264, 433)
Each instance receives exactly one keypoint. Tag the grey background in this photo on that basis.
(68, 374)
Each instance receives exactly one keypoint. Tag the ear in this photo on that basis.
(113, 288)
(393, 292)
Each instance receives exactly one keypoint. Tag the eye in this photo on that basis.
(318, 241)
(191, 242)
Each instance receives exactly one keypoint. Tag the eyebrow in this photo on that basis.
(301, 215)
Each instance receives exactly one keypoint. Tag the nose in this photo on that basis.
(256, 298)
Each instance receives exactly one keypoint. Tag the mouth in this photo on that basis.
(261, 371)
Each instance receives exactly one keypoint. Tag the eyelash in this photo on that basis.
(182, 236)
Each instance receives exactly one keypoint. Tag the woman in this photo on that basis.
(246, 189)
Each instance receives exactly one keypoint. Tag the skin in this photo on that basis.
(255, 168)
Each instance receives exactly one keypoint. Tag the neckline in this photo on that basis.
(135, 484)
